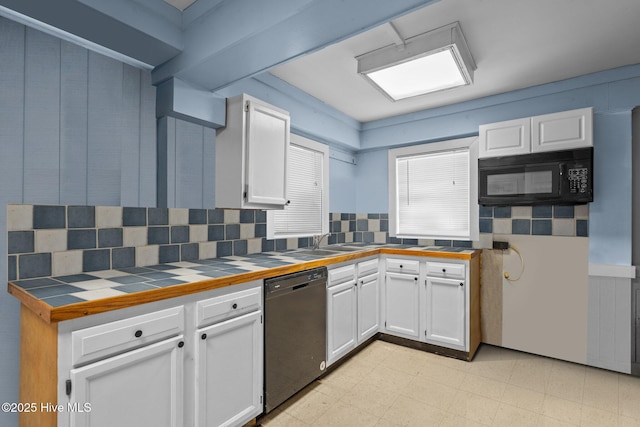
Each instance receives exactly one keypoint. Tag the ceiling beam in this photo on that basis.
(123, 26)
(243, 38)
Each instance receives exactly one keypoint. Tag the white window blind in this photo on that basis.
(433, 195)
(306, 186)
(432, 191)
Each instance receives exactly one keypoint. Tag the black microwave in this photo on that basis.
(549, 178)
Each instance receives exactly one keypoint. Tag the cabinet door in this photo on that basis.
(368, 306)
(445, 312)
(505, 138)
(341, 320)
(143, 387)
(401, 305)
(229, 371)
(267, 144)
(562, 131)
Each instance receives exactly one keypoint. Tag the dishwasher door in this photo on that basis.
(295, 333)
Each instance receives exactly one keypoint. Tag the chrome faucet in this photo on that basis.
(317, 239)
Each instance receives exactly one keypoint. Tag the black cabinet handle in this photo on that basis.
(203, 336)
(138, 333)
(181, 344)
(461, 284)
(400, 265)
(234, 306)
(444, 270)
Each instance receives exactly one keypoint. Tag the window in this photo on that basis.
(433, 191)
(307, 212)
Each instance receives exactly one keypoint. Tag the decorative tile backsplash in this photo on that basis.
(536, 220)
(46, 240)
(352, 227)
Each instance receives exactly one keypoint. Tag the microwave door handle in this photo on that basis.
(562, 171)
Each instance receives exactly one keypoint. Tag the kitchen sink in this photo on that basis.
(342, 248)
(319, 252)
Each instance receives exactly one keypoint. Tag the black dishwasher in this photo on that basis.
(295, 333)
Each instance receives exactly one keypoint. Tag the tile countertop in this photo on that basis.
(67, 297)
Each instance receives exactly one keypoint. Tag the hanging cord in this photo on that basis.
(506, 274)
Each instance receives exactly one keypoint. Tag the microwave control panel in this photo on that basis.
(578, 180)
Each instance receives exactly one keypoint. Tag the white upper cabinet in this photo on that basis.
(562, 131)
(505, 138)
(251, 155)
(550, 132)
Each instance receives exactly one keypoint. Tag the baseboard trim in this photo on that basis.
(418, 345)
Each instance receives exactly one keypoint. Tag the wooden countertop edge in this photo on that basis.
(72, 311)
(39, 307)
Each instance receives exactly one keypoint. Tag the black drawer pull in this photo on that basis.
(461, 284)
(181, 344)
(444, 270)
(203, 336)
(138, 333)
(400, 265)
(234, 306)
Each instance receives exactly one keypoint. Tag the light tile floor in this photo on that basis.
(390, 385)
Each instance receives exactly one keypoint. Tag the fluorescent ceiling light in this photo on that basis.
(426, 63)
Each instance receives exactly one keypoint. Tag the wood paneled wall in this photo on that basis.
(609, 323)
(186, 164)
(76, 128)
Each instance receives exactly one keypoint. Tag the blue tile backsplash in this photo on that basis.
(49, 217)
(48, 240)
(56, 241)
(536, 220)
(81, 216)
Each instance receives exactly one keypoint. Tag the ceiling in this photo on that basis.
(180, 4)
(312, 44)
(515, 44)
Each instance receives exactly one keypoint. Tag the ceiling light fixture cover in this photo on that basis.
(429, 62)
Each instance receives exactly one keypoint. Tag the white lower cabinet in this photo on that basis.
(368, 306)
(341, 320)
(353, 307)
(143, 387)
(229, 371)
(435, 301)
(199, 363)
(401, 305)
(444, 313)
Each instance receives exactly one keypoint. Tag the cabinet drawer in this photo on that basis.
(341, 275)
(227, 306)
(403, 266)
(447, 270)
(367, 267)
(99, 342)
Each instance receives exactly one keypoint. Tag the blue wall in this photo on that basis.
(342, 186)
(613, 94)
(75, 128)
(372, 183)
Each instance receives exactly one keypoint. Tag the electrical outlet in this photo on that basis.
(500, 245)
